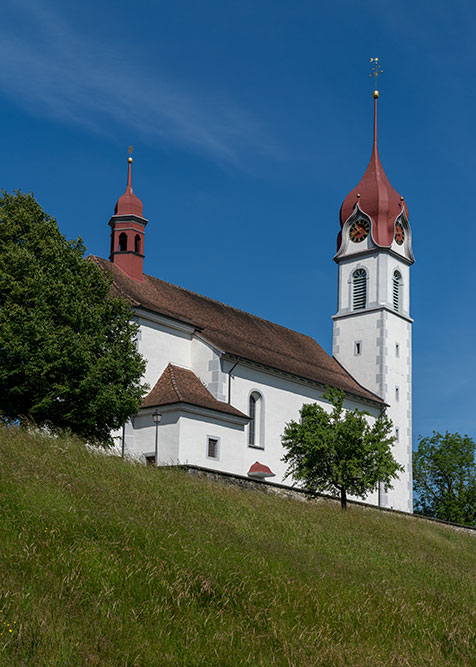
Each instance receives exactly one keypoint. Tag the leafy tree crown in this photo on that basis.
(339, 451)
(68, 356)
(444, 477)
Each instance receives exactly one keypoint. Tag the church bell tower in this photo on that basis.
(128, 230)
(372, 327)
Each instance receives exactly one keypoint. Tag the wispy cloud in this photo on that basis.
(49, 69)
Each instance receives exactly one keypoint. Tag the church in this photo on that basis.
(224, 383)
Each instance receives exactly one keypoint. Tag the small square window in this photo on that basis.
(357, 348)
(212, 448)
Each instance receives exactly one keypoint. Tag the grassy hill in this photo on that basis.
(108, 563)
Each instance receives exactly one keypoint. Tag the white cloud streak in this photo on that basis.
(49, 69)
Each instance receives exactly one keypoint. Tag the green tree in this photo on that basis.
(444, 477)
(68, 358)
(339, 452)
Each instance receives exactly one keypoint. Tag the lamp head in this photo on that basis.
(156, 416)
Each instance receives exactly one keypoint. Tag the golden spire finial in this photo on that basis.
(375, 71)
(131, 148)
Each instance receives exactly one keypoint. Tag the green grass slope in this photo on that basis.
(108, 563)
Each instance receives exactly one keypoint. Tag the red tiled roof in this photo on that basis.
(236, 332)
(180, 385)
(260, 470)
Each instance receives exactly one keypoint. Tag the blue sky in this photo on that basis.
(251, 121)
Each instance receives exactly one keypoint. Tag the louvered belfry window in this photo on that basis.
(397, 288)
(359, 300)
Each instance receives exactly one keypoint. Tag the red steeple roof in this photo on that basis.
(375, 197)
(129, 203)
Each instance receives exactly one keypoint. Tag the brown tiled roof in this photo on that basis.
(180, 385)
(236, 332)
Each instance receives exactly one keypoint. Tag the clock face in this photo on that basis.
(399, 233)
(359, 230)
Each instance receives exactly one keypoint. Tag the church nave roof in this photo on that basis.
(236, 332)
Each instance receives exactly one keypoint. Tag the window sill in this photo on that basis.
(256, 446)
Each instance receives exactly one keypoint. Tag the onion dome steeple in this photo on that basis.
(128, 203)
(375, 197)
(127, 231)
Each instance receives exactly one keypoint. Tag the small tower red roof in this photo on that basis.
(129, 203)
(375, 197)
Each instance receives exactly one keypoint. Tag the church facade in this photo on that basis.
(225, 382)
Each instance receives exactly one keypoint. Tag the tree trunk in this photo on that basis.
(343, 499)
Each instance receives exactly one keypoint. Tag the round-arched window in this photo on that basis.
(122, 242)
(255, 426)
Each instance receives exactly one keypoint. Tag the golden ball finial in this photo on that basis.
(375, 94)
(129, 159)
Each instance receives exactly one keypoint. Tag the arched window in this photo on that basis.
(137, 243)
(122, 242)
(359, 291)
(255, 427)
(397, 290)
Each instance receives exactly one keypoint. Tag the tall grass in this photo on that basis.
(104, 562)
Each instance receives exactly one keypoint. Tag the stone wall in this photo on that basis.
(302, 495)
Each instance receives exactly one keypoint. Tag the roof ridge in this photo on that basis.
(171, 369)
(221, 303)
(237, 332)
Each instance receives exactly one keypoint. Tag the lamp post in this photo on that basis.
(156, 416)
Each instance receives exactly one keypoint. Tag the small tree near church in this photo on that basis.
(339, 452)
(68, 357)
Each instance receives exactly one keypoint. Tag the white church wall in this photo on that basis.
(205, 362)
(383, 366)
(354, 346)
(183, 434)
(396, 387)
(282, 400)
(183, 438)
(160, 342)
(196, 429)
(168, 432)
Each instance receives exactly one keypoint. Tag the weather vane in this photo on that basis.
(131, 148)
(375, 71)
